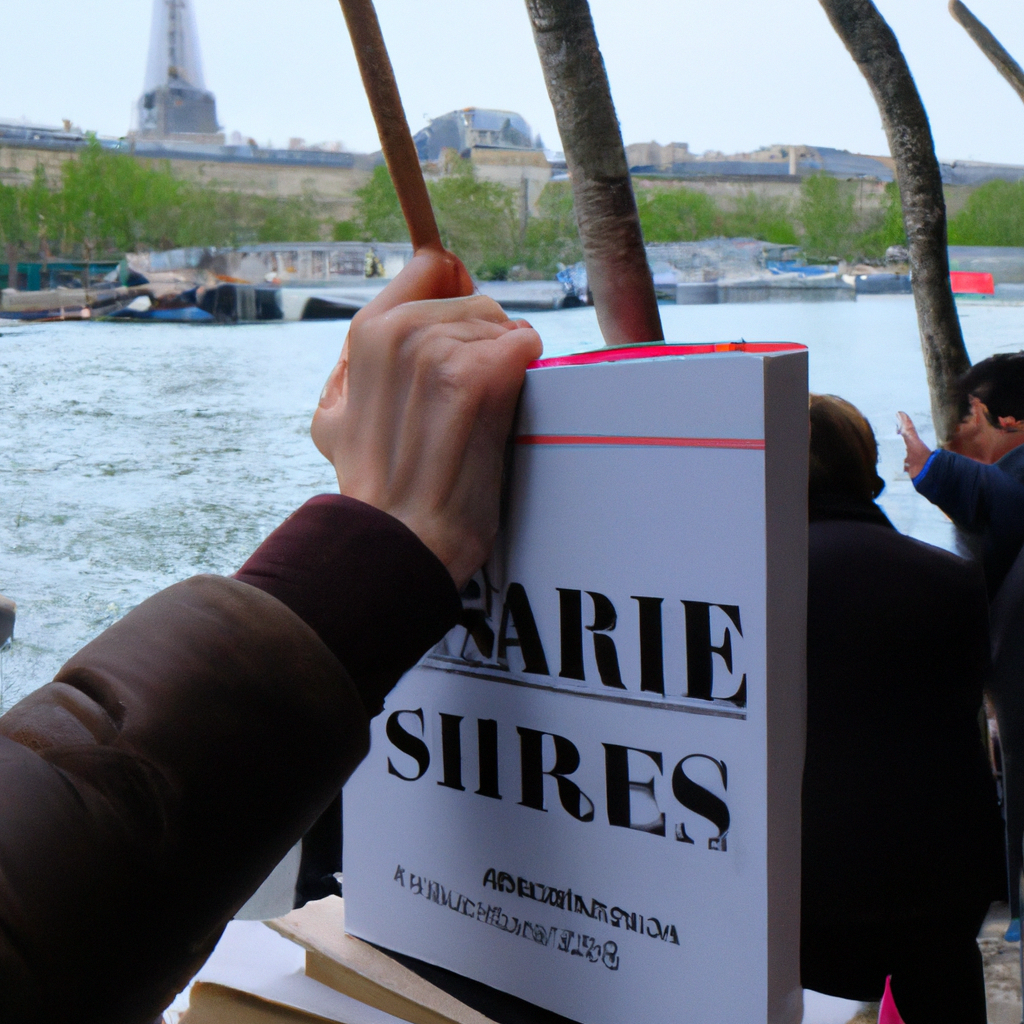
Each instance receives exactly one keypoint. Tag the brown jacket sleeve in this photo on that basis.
(148, 790)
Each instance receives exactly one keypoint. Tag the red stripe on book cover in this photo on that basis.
(744, 443)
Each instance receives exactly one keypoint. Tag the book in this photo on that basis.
(365, 973)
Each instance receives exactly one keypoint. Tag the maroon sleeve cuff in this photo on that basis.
(364, 582)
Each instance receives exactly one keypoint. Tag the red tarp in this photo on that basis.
(971, 283)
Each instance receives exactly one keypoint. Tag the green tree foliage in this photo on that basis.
(42, 211)
(378, 212)
(826, 212)
(12, 217)
(833, 228)
(552, 237)
(994, 215)
(893, 230)
(887, 227)
(687, 215)
(108, 203)
(678, 215)
(346, 231)
(478, 220)
(761, 217)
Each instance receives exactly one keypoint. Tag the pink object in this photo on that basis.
(887, 1012)
(656, 349)
(969, 283)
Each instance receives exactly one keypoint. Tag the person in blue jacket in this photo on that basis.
(978, 481)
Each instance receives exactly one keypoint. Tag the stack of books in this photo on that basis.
(303, 968)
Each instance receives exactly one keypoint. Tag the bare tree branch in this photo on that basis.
(392, 127)
(613, 245)
(990, 46)
(876, 52)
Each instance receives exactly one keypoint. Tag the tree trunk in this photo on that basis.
(613, 245)
(877, 53)
(990, 46)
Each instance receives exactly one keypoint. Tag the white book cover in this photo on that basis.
(588, 794)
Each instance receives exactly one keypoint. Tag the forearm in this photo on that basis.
(379, 629)
(150, 788)
(956, 485)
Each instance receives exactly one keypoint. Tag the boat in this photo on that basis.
(8, 610)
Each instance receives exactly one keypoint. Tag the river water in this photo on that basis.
(135, 455)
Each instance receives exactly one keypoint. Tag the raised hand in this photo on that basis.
(416, 413)
(917, 451)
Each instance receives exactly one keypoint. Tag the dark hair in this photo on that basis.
(843, 451)
(998, 382)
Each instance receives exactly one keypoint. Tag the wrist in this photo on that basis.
(461, 552)
(917, 458)
(918, 471)
(371, 590)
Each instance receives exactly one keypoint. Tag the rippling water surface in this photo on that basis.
(135, 455)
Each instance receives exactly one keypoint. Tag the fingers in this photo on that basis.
(467, 318)
(446, 478)
(406, 317)
(432, 332)
(908, 432)
(917, 451)
(503, 359)
(418, 414)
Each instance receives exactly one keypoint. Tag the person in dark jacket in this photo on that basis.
(147, 791)
(979, 484)
(901, 831)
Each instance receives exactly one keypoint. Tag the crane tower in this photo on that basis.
(175, 103)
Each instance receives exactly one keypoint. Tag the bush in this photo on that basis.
(378, 212)
(552, 238)
(887, 228)
(478, 220)
(678, 215)
(345, 231)
(994, 215)
(760, 217)
(826, 213)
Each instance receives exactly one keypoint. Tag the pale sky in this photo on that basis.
(730, 75)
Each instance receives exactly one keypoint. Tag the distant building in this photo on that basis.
(175, 105)
(472, 128)
(660, 158)
(498, 143)
(676, 160)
